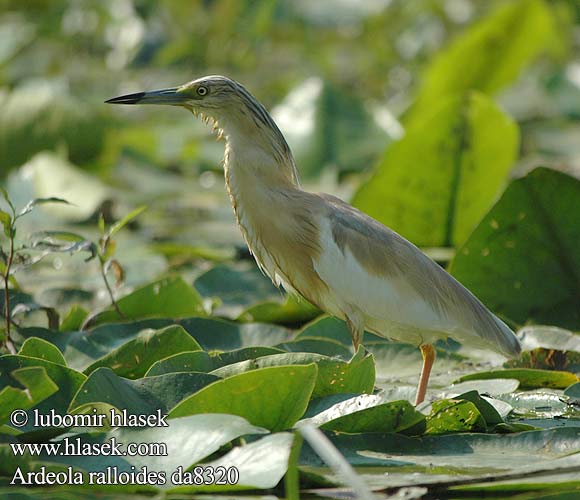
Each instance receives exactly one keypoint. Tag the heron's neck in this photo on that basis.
(257, 152)
(255, 177)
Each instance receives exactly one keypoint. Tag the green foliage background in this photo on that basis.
(454, 122)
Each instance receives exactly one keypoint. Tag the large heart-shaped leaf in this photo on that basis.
(166, 298)
(334, 376)
(523, 259)
(133, 359)
(444, 174)
(37, 387)
(274, 397)
(145, 395)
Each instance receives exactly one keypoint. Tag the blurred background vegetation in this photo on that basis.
(495, 84)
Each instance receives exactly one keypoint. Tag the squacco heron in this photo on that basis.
(318, 246)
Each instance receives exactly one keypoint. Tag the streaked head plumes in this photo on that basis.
(226, 104)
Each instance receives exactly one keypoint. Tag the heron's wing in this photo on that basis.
(378, 272)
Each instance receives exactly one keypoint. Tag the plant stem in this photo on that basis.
(9, 260)
(110, 291)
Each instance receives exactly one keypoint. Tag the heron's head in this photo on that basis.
(232, 108)
(216, 97)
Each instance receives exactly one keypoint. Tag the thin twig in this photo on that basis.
(10, 259)
(110, 291)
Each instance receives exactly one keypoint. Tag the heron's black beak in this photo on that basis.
(163, 96)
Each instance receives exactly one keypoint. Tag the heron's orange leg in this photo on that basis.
(428, 353)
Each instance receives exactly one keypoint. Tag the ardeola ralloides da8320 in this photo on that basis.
(335, 256)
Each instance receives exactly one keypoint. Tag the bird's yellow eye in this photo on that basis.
(202, 91)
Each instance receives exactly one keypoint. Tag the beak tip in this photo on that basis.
(126, 99)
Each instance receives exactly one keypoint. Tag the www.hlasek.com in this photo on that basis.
(76, 446)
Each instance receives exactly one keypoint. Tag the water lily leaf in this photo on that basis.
(334, 376)
(573, 391)
(487, 411)
(273, 397)
(368, 413)
(245, 353)
(529, 378)
(260, 464)
(490, 54)
(548, 337)
(460, 451)
(319, 345)
(444, 174)
(523, 259)
(167, 298)
(66, 379)
(326, 327)
(220, 335)
(333, 328)
(492, 387)
(142, 396)
(542, 403)
(236, 289)
(292, 310)
(37, 387)
(38, 348)
(187, 361)
(450, 415)
(548, 347)
(186, 441)
(133, 359)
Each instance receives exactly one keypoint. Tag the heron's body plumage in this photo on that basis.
(355, 268)
(318, 246)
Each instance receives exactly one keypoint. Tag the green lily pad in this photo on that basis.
(531, 220)
(236, 289)
(450, 415)
(143, 396)
(188, 361)
(487, 411)
(220, 335)
(290, 311)
(492, 387)
(183, 443)
(529, 378)
(37, 387)
(332, 328)
(38, 348)
(460, 451)
(167, 298)
(542, 403)
(445, 173)
(548, 347)
(245, 353)
(133, 359)
(66, 379)
(273, 397)
(261, 464)
(368, 413)
(319, 345)
(573, 392)
(334, 376)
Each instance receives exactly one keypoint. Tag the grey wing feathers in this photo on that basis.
(394, 256)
